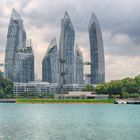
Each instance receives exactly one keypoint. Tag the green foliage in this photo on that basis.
(64, 101)
(1, 74)
(130, 85)
(1, 93)
(135, 95)
(124, 88)
(102, 89)
(89, 88)
(87, 63)
(6, 88)
(125, 95)
(137, 79)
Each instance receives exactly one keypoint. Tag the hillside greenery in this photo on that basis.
(125, 88)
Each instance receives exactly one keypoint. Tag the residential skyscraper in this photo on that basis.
(96, 52)
(78, 66)
(50, 64)
(66, 51)
(16, 35)
(24, 63)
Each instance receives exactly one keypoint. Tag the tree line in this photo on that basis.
(128, 87)
(6, 87)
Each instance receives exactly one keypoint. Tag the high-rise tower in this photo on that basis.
(96, 52)
(16, 35)
(78, 67)
(24, 63)
(66, 51)
(50, 64)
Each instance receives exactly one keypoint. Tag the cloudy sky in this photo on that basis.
(120, 24)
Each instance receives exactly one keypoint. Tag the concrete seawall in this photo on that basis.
(7, 100)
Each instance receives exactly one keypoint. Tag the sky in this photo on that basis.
(119, 20)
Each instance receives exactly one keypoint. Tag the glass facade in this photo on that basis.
(66, 51)
(96, 52)
(78, 67)
(15, 36)
(63, 66)
(24, 64)
(50, 64)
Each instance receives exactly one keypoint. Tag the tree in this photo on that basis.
(1, 93)
(130, 85)
(6, 88)
(137, 79)
(1, 74)
(124, 88)
(89, 88)
(125, 95)
(102, 89)
(114, 87)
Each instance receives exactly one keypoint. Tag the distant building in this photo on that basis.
(66, 51)
(50, 64)
(96, 52)
(73, 87)
(81, 95)
(35, 87)
(24, 63)
(15, 36)
(44, 87)
(78, 66)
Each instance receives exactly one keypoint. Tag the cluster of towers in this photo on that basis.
(63, 65)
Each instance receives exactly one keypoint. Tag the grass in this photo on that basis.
(42, 101)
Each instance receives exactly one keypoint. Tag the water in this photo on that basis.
(69, 122)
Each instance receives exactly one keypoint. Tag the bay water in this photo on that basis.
(69, 122)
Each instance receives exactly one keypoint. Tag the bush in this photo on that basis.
(89, 88)
(135, 95)
(125, 95)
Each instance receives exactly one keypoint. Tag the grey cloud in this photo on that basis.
(116, 17)
(123, 50)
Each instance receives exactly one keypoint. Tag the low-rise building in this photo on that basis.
(44, 87)
(81, 95)
(73, 87)
(35, 87)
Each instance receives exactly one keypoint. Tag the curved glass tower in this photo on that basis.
(78, 65)
(50, 65)
(66, 51)
(24, 63)
(96, 52)
(15, 36)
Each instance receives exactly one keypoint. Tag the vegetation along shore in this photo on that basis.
(71, 101)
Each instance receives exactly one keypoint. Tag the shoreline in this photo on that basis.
(63, 103)
(72, 101)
